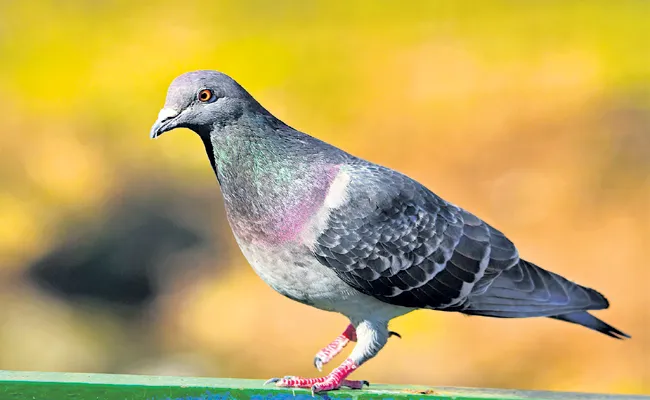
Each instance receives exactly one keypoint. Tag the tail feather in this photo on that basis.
(526, 290)
(587, 320)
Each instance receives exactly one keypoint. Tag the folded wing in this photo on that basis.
(395, 240)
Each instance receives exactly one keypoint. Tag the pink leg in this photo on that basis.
(334, 380)
(331, 350)
(371, 336)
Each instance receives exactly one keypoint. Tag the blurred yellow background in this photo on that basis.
(114, 251)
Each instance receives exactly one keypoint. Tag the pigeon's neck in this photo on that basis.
(273, 178)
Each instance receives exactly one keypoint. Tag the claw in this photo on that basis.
(355, 384)
(391, 333)
(276, 380)
(318, 363)
(272, 380)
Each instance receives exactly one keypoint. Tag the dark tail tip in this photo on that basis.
(587, 320)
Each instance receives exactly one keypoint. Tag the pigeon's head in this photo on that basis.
(200, 100)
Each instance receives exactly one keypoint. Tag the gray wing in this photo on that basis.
(397, 241)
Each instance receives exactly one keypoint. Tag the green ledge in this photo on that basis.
(70, 386)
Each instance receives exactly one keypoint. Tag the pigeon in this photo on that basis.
(339, 233)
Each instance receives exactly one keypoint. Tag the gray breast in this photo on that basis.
(292, 271)
(295, 273)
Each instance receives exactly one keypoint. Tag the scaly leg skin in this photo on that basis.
(326, 354)
(371, 337)
(334, 380)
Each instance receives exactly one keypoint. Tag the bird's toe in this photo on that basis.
(322, 387)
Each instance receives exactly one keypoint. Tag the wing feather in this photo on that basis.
(397, 241)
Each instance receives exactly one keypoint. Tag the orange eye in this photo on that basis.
(205, 95)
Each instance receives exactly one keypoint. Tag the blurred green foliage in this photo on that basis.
(534, 115)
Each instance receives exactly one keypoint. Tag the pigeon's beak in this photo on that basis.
(165, 122)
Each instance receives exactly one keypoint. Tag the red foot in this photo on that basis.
(331, 350)
(334, 380)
